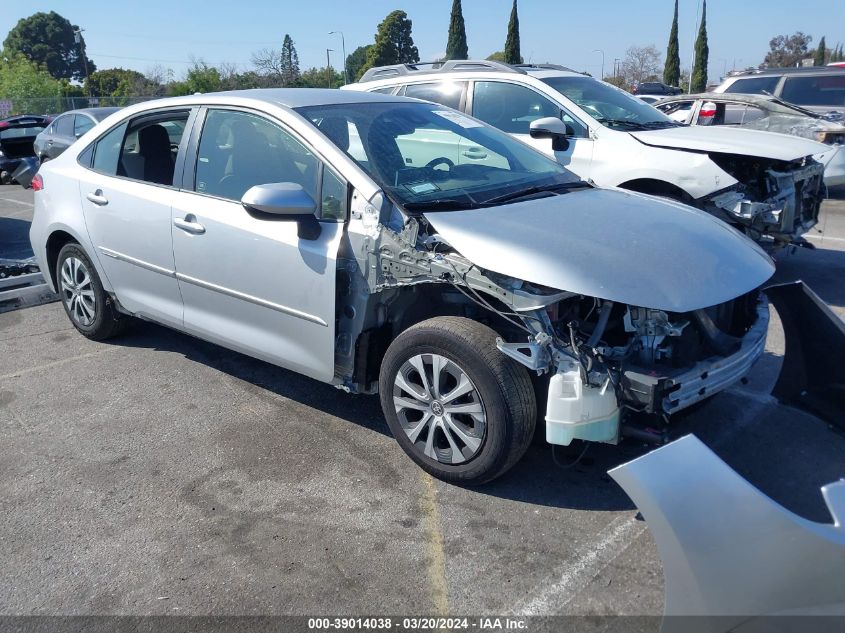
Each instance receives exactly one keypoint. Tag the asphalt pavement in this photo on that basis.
(158, 474)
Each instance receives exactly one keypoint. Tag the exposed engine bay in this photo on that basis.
(774, 199)
(601, 359)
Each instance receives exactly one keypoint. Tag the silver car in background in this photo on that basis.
(329, 233)
(65, 129)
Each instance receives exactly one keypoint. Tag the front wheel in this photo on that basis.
(458, 407)
(85, 300)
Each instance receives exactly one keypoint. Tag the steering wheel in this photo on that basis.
(440, 160)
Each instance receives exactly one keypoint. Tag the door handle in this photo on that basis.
(189, 225)
(475, 154)
(50, 142)
(97, 198)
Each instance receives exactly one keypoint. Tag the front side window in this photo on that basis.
(510, 107)
(448, 93)
(396, 140)
(610, 106)
(239, 150)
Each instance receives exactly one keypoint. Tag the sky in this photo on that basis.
(140, 35)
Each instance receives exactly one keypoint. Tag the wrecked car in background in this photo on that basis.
(768, 186)
(314, 229)
(767, 113)
(17, 135)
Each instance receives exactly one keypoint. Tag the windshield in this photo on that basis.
(609, 105)
(428, 156)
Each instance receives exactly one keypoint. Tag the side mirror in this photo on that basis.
(553, 128)
(285, 201)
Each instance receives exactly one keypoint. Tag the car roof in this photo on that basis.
(787, 71)
(722, 96)
(388, 75)
(97, 113)
(300, 97)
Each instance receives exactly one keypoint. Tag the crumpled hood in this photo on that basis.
(728, 140)
(611, 244)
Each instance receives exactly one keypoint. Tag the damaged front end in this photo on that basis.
(608, 360)
(607, 331)
(773, 200)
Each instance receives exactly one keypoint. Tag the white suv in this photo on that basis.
(767, 185)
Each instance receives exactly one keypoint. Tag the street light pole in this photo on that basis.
(598, 50)
(329, 71)
(77, 38)
(343, 47)
(695, 36)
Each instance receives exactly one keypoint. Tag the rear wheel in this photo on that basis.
(458, 407)
(85, 301)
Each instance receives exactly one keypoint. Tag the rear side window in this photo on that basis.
(64, 125)
(754, 85)
(818, 90)
(107, 151)
(448, 93)
(385, 91)
(142, 149)
(81, 125)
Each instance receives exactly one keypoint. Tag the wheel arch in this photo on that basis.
(656, 187)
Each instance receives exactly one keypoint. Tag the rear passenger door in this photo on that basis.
(61, 137)
(250, 282)
(126, 195)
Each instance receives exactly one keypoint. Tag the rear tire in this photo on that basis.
(462, 410)
(85, 301)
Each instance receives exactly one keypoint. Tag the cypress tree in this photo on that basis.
(821, 51)
(672, 69)
(702, 55)
(456, 46)
(512, 54)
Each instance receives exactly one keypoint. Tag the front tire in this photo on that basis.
(462, 410)
(86, 303)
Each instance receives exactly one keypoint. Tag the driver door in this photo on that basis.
(251, 283)
(512, 107)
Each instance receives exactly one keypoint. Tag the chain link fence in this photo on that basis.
(57, 105)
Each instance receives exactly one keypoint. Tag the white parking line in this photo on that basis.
(616, 538)
(24, 203)
(824, 237)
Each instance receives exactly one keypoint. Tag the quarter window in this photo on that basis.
(239, 150)
(448, 93)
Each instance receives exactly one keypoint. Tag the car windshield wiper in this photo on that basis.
(620, 122)
(440, 204)
(660, 125)
(531, 191)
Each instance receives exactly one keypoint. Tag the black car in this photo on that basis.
(66, 128)
(656, 88)
(17, 135)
